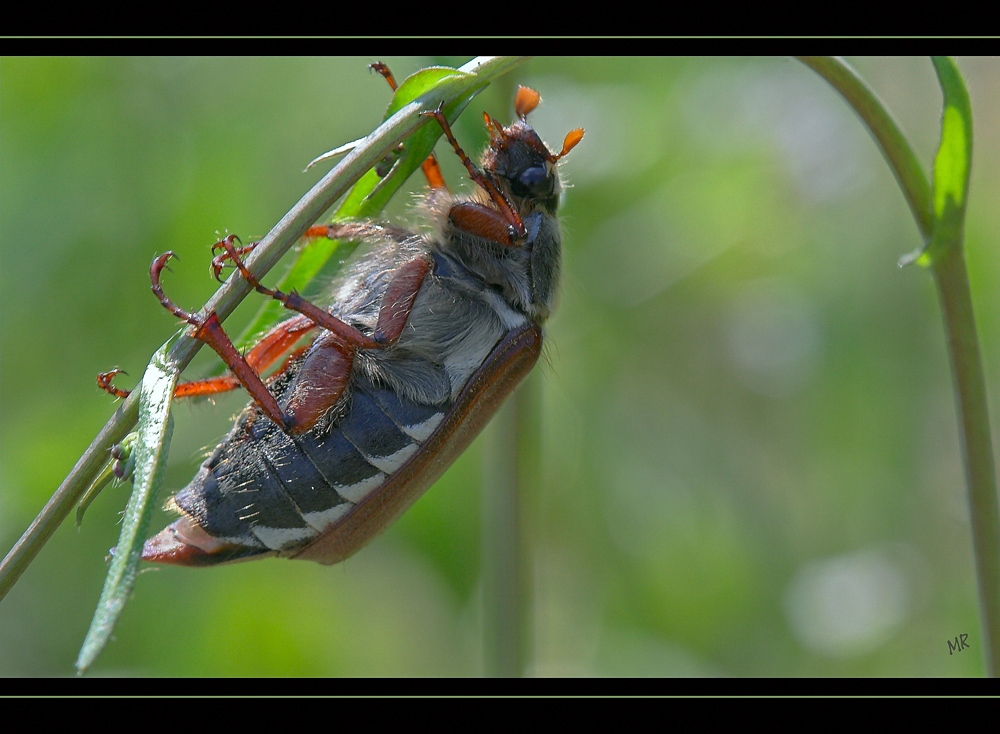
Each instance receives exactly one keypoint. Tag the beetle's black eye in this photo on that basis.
(532, 180)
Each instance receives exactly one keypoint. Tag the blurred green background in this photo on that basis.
(748, 439)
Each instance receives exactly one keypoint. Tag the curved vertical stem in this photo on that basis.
(945, 254)
(502, 639)
(977, 448)
(511, 466)
(940, 215)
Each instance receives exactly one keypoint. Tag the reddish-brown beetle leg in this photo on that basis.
(383, 69)
(332, 231)
(398, 300)
(104, 382)
(324, 374)
(225, 383)
(481, 178)
(219, 261)
(295, 302)
(483, 221)
(432, 172)
(155, 269)
(265, 353)
(210, 331)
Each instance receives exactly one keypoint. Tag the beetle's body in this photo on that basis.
(440, 328)
(264, 491)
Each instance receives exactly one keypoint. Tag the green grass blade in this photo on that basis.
(155, 426)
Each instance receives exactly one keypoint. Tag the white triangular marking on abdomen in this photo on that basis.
(281, 538)
(391, 463)
(421, 431)
(357, 492)
(323, 519)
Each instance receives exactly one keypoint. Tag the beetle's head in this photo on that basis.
(520, 163)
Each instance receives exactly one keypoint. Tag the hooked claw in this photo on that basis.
(104, 382)
(155, 269)
(219, 261)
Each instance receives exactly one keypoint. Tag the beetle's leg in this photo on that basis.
(515, 225)
(432, 172)
(209, 330)
(104, 382)
(396, 306)
(369, 232)
(398, 300)
(208, 386)
(430, 167)
(219, 261)
(355, 231)
(323, 376)
(383, 69)
(265, 353)
(295, 302)
(331, 357)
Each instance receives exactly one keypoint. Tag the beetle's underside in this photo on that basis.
(426, 337)
(342, 518)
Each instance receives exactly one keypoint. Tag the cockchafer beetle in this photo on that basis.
(426, 337)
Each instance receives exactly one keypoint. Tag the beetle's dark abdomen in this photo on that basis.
(375, 435)
(267, 491)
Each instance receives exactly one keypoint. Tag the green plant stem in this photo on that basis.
(942, 226)
(946, 255)
(977, 448)
(63, 500)
(502, 643)
(510, 467)
(284, 234)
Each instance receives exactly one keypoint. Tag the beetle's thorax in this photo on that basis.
(525, 274)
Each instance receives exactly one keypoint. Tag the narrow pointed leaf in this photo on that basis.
(155, 427)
